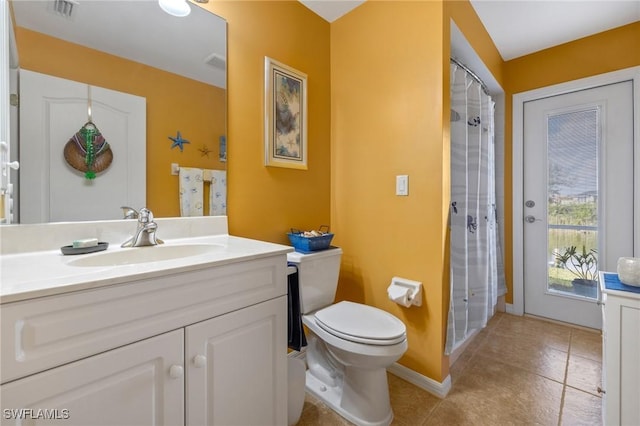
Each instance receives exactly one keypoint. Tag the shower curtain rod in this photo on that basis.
(472, 74)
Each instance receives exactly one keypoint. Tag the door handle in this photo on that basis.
(531, 219)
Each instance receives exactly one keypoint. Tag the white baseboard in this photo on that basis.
(510, 308)
(423, 382)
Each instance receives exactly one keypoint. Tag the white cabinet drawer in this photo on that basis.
(43, 333)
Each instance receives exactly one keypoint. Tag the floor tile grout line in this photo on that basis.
(564, 390)
(433, 410)
(584, 391)
(566, 374)
(531, 371)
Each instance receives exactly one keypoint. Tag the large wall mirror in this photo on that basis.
(80, 55)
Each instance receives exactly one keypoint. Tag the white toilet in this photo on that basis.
(350, 344)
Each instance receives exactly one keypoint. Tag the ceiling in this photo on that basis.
(331, 10)
(194, 46)
(521, 27)
(517, 27)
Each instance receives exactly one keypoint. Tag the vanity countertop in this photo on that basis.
(46, 273)
(30, 268)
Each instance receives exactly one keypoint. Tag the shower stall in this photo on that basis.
(476, 272)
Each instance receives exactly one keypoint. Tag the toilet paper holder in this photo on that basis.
(414, 289)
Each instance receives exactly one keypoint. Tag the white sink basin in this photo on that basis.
(136, 255)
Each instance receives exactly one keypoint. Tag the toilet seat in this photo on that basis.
(360, 323)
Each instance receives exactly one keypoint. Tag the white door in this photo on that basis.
(237, 367)
(6, 165)
(132, 385)
(578, 192)
(52, 110)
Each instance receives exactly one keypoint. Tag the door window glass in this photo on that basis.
(572, 202)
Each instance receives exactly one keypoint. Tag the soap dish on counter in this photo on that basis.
(70, 250)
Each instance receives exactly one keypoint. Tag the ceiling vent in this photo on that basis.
(216, 61)
(64, 8)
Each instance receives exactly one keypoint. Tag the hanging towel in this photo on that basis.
(190, 191)
(296, 335)
(218, 193)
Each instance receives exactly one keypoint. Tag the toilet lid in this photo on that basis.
(361, 323)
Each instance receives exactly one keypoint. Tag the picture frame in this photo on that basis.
(285, 116)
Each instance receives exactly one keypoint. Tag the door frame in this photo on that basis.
(519, 99)
(5, 122)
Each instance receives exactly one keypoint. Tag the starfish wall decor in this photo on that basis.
(178, 141)
(204, 151)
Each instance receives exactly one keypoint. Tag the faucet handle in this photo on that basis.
(129, 212)
(146, 216)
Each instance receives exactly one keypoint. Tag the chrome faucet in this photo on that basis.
(129, 212)
(146, 231)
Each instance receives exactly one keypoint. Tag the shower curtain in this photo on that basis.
(476, 276)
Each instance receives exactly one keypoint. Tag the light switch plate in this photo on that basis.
(402, 185)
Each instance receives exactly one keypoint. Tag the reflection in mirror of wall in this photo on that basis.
(176, 65)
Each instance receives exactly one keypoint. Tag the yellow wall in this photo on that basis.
(387, 120)
(265, 202)
(604, 52)
(472, 28)
(173, 103)
(389, 91)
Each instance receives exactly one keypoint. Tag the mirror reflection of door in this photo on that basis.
(52, 111)
(177, 64)
(7, 151)
(578, 192)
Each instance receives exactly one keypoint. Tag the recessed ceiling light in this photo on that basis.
(178, 8)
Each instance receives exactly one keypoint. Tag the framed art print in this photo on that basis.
(285, 116)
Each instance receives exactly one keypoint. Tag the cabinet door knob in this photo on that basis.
(175, 372)
(199, 361)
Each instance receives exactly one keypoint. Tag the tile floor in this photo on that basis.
(517, 371)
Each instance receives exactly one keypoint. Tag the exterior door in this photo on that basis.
(52, 110)
(578, 198)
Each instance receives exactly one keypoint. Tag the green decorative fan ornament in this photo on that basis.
(88, 152)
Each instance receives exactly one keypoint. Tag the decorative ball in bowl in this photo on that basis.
(629, 270)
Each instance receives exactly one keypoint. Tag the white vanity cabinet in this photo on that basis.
(132, 385)
(200, 347)
(235, 374)
(621, 357)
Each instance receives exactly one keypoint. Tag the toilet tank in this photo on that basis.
(317, 277)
